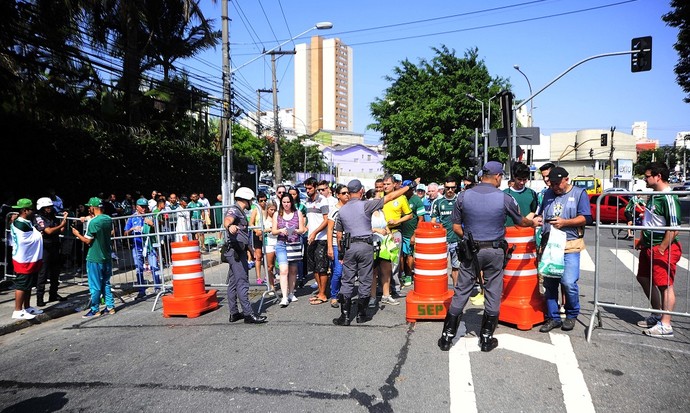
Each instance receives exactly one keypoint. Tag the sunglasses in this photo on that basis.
(344, 193)
(450, 187)
(262, 200)
(321, 189)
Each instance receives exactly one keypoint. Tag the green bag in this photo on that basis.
(552, 263)
(389, 249)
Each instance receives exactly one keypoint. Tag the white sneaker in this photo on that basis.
(650, 321)
(33, 311)
(659, 330)
(292, 298)
(22, 315)
(387, 299)
(284, 302)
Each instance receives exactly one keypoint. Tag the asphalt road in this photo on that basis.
(137, 360)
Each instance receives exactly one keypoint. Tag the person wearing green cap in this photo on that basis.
(141, 225)
(27, 258)
(99, 266)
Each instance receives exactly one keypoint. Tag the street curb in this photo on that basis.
(49, 314)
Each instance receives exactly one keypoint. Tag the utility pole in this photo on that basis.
(259, 126)
(225, 125)
(613, 129)
(277, 169)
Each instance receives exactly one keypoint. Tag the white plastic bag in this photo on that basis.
(552, 263)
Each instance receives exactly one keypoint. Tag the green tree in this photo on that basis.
(666, 154)
(680, 18)
(426, 120)
(293, 153)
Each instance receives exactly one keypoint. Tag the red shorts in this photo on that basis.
(663, 266)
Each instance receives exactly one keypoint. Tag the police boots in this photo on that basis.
(450, 328)
(362, 305)
(344, 319)
(487, 342)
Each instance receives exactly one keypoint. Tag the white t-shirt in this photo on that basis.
(316, 209)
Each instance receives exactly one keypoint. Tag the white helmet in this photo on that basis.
(244, 193)
(43, 202)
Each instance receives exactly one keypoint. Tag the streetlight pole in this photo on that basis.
(484, 136)
(531, 102)
(226, 123)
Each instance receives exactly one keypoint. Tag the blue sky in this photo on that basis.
(598, 94)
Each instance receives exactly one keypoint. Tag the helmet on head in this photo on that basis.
(43, 202)
(244, 193)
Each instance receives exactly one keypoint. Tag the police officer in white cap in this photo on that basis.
(237, 227)
(481, 211)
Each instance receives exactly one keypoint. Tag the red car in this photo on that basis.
(612, 208)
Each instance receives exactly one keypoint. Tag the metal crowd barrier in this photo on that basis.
(615, 288)
(124, 268)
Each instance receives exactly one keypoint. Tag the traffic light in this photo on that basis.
(641, 61)
(604, 139)
(506, 99)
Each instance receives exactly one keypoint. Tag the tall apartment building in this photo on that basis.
(323, 86)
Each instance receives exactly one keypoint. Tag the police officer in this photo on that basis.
(237, 226)
(358, 259)
(480, 214)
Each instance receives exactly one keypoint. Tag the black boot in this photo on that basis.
(362, 304)
(236, 317)
(254, 319)
(344, 319)
(486, 335)
(450, 328)
(39, 300)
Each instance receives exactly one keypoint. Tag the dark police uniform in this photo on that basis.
(482, 211)
(358, 260)
(238, 284)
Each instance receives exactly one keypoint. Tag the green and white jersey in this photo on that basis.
(442, 210)
(660, 211)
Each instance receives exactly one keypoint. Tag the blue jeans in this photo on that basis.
(569, 286)
(152, 258)
(281, 254)
(336, 273)
(99, 284)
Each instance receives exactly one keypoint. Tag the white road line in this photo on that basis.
(586, 263)
(627, 258)
(576, 396)
(462, 397)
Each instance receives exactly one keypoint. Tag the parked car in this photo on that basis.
(612, 208)
(615, 190)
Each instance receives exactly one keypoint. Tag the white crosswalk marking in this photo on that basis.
(627, 258)
(586, 263)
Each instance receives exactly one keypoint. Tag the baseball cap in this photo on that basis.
(44, 202)
(397, 177)
(421, 187)
(24, 203)
(557, 174)
(407, 182)
(493, 168)
(142, 202)
(354, 185)
(95, 202)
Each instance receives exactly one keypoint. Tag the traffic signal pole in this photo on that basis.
(516, 107)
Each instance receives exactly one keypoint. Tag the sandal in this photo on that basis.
(316, 301)
(334, 303)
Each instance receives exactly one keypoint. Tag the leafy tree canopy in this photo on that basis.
(425, 117)
(680, 18)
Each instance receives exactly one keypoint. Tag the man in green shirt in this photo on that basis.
(660, 251)
(525, 197)
(441, 212)
(99, 266)
(407, 230)
(198, 218)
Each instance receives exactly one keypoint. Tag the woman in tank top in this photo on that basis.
(382, 267)
(288, 226)
(270, 241)
(343, 195)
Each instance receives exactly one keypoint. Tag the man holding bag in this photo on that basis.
(566, 208)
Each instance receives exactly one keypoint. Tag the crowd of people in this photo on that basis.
(353, 241)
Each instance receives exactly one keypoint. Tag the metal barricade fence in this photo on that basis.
(618, 288)
(170, 226)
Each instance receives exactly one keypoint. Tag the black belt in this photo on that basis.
(361, 239)
(489, 244)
